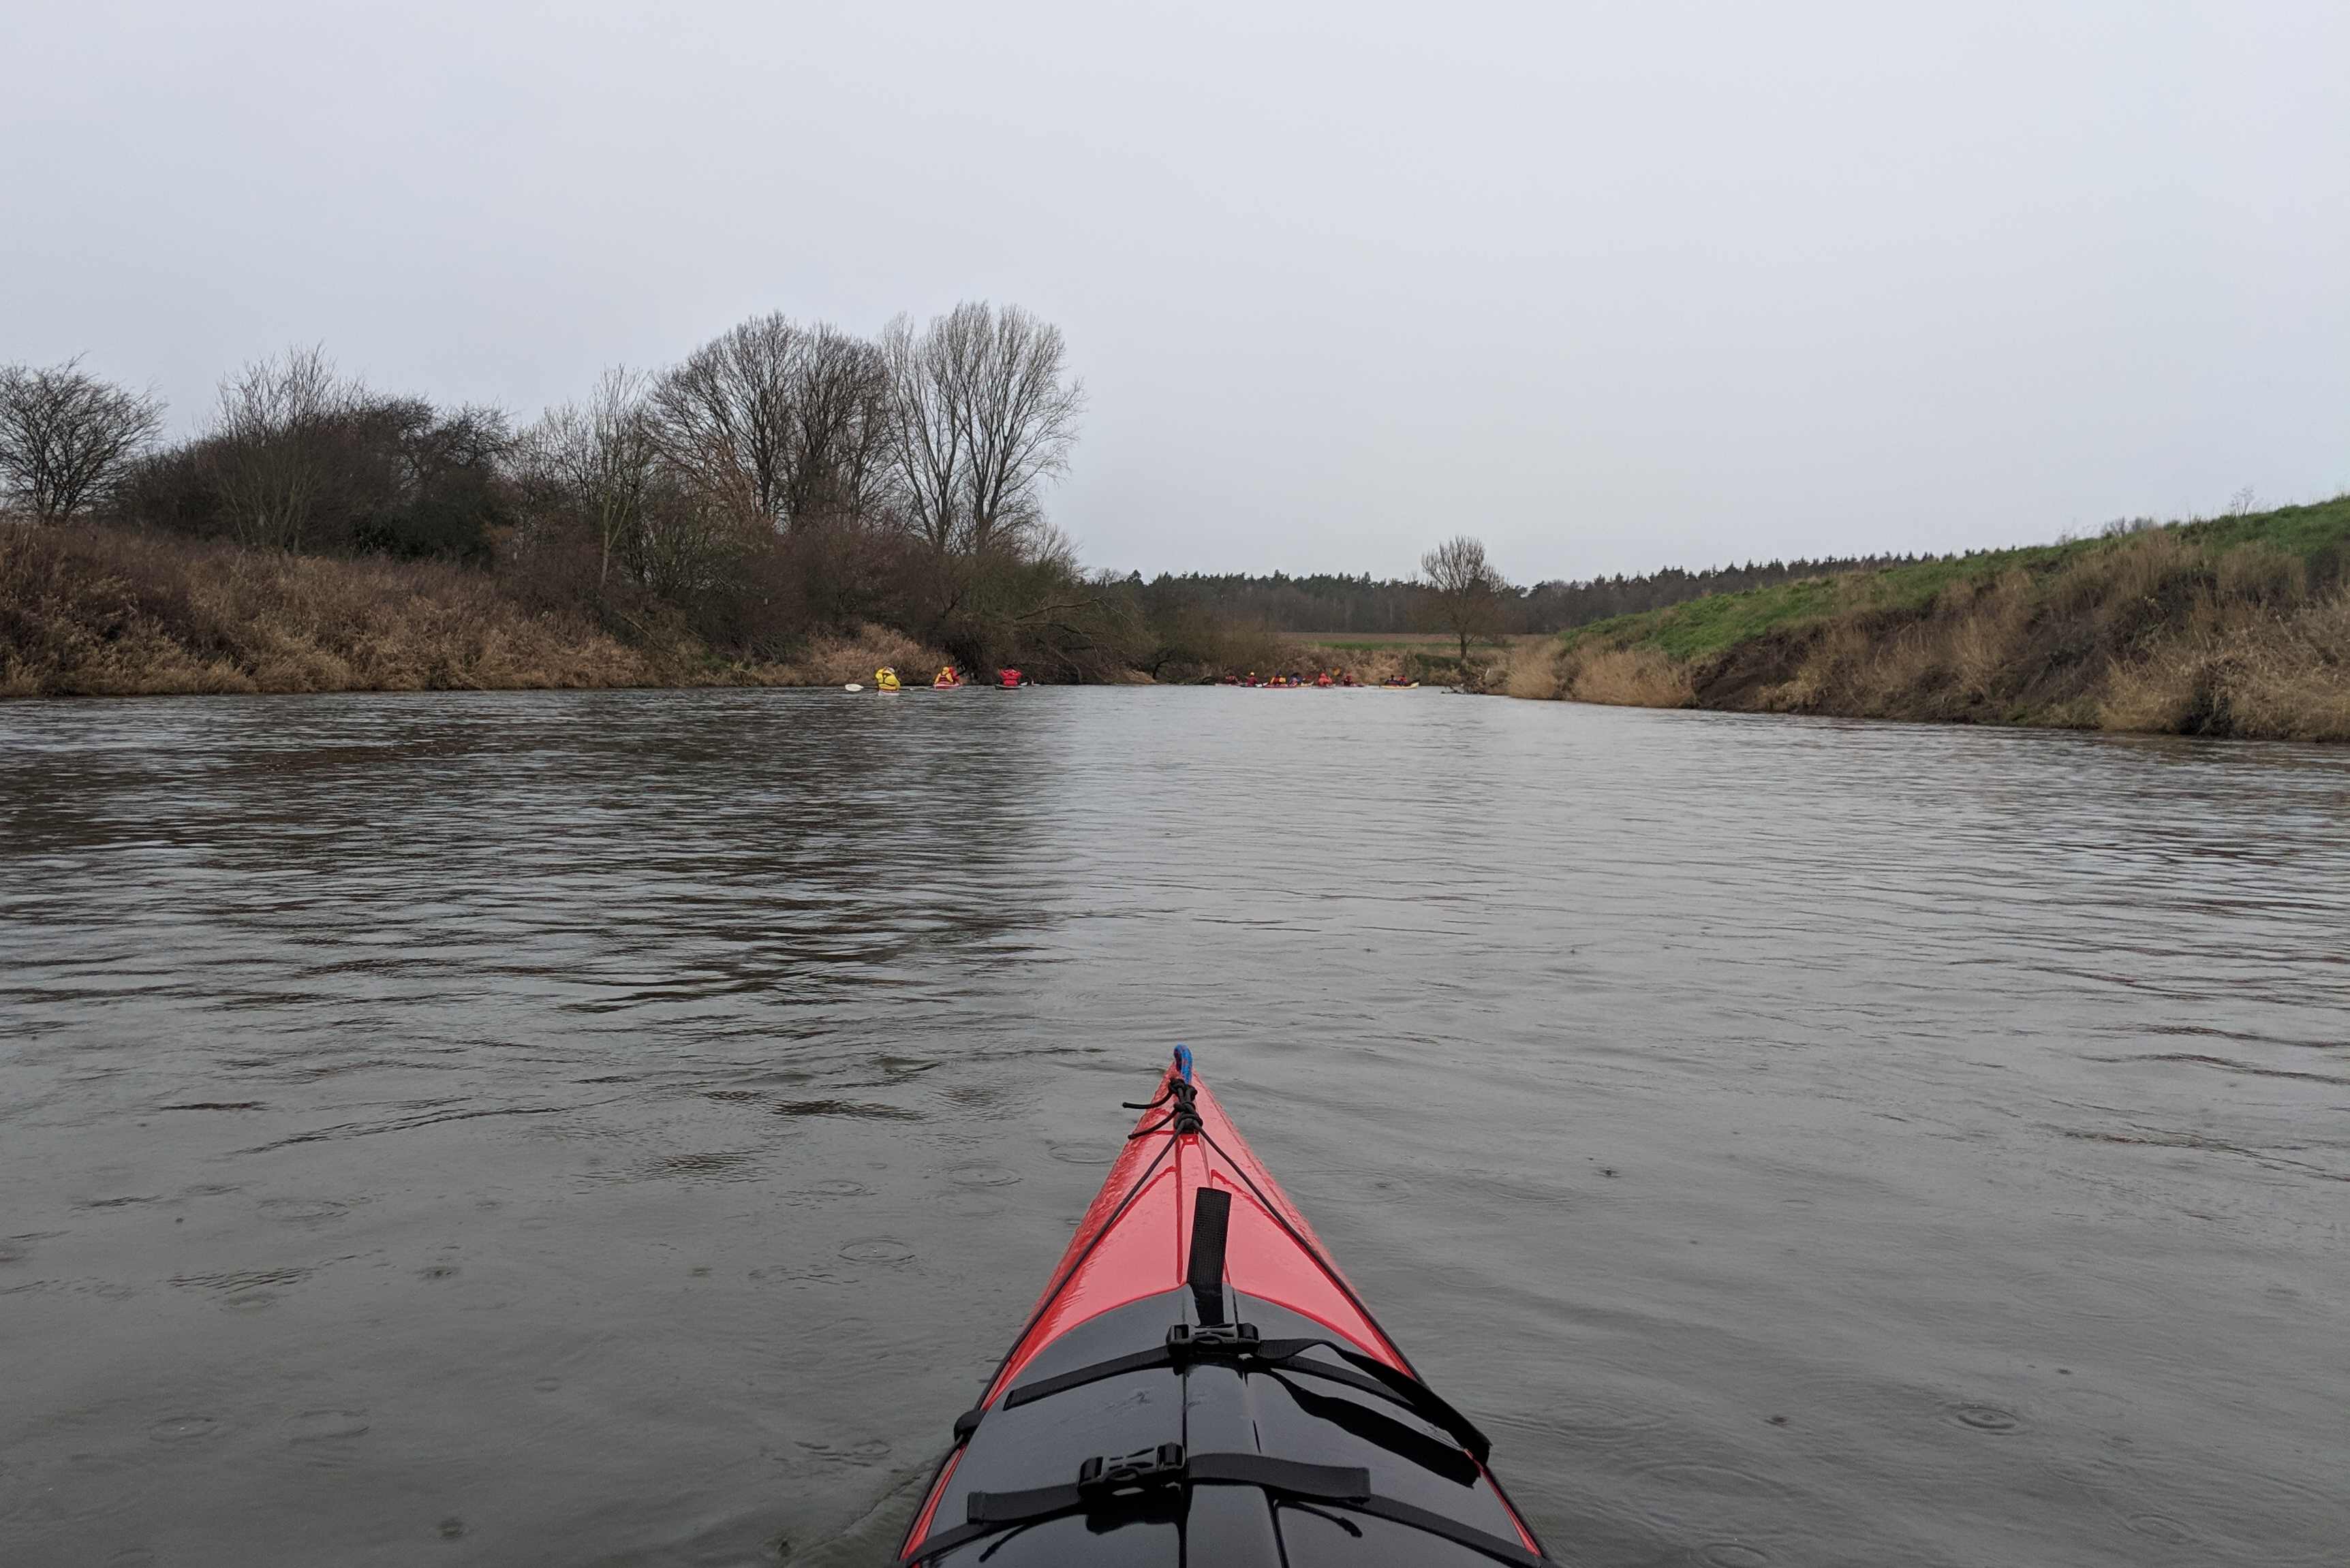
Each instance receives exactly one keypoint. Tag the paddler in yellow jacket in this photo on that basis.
(885, 678)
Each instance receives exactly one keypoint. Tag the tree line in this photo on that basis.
(1333, 603)
(784, 480)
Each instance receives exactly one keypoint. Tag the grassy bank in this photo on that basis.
(2234, 626)
(115, 612)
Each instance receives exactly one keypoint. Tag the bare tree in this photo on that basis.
(600, 460)
(691, 532)
(840, 429)
(66, 435)
(1466, 591)
(795, 419)
(273, 446)
(926, 430)
(985, 412)
(726, 416)
(1021, 408)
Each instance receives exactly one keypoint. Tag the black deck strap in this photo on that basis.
(1501, 1548)
(1106, 1488)
(1290, 1478)
(1103, 1483)
(1347, 1487)
(1407, 1390)
(1370, 1423)
(941, 1541)
(1211, 1212)
(1239, 1347)
(1045, 1388)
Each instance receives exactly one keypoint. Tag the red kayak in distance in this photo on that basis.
(1199, 1386)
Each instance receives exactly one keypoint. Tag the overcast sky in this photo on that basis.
(1614, 286)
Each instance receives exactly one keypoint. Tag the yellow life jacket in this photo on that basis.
(886, 679)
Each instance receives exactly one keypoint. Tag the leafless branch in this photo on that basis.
(65, 436)
(985, 413)
(599, 461)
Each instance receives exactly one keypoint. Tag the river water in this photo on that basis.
(624, 1127)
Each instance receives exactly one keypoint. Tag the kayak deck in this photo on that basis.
(1198, 1384)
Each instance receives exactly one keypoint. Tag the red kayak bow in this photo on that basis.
(1200, 1385)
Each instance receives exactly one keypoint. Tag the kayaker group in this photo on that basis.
(948, 679)
(1321, 678)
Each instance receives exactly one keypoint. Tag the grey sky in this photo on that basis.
(1613, 286)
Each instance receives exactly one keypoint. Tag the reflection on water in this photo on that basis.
(624, 1127)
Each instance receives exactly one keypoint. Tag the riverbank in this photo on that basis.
(2227, 627)
(91, 612)
(2237, 625)
(102, 610)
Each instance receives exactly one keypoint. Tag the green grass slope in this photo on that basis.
(2235, 625)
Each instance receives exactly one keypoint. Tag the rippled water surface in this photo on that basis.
(624, 1128)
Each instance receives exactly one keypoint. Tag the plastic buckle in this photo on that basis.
(1186, 1343)
(1141, 1470)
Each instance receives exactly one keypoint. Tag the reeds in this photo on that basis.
(1627, 677)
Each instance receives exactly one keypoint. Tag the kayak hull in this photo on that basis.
(1339, 1406)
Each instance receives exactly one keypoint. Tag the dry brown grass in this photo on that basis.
(1626, 677)
(837, 660)
(1827, 666)
(1370, 668)
(2153, 635)
(106, 612)
(1366, 667)
(1533, 669)
(2236, 670)
(1984, 640)
(2153, 632)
